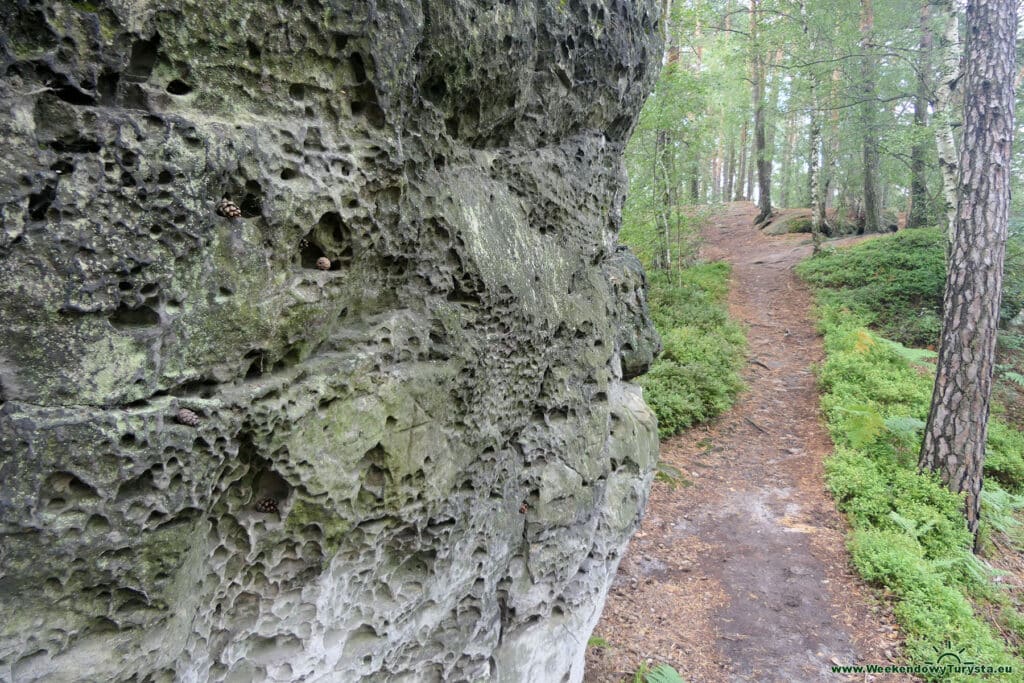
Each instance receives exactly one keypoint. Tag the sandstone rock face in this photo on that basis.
(221, 461)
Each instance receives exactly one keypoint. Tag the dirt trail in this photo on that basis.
(743, 575)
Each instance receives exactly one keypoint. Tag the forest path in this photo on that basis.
(741, 574)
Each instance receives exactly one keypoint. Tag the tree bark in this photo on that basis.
(920, 213)
(663, 185)
(666, 33)
(830, 151)
(945, 117)
(730, 172)
(695, 180)
(869, 121)
(954, 439)
(814, 173)
(741, 175)
(764, 164)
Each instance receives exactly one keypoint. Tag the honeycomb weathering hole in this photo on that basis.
(179, 87)
(270, 484)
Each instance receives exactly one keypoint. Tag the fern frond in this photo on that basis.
(909, 353)
(904, 425)
(1014, 377)
(663, 673)
(864, 425)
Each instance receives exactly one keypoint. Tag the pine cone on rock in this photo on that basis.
(187, 417)
(323, 263)
(267, 505)
(228, 209)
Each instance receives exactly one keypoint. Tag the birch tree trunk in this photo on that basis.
(730, 172)
(945, 115)
(741, 175)
(663, 212)
(814, 172)
(666, 30)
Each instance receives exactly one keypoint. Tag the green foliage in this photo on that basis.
(597, 641)
(1004, 456)
(863, 424)
(903, 426)
(909, 353)
(999, 508)
(909, 533)
(698, 374)
(1014, 377)
(1013, 273)
(931, 608)
(662, 673)
(896, 280)
(1011, 341)
(661, 155)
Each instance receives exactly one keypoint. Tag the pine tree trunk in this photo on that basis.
(751, 172)
(954, 439)
(764, 164)
(920, 212)
(694, 184)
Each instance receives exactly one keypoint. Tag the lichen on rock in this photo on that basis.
(222, 461)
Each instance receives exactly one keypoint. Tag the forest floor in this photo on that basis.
(740, 573)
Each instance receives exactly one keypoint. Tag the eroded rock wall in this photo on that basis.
(420, 464)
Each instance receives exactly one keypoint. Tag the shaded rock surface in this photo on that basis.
(223, 462)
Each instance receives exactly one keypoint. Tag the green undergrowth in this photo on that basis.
(697, 375)
(895, 282)
(908, 533)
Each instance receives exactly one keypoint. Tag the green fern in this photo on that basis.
(1011, 341)
(909, 353)
(977, 571)
(999, 508)
(915, 531)
(904, 426)
(1014, 377)
(864, 424)
(663, 673)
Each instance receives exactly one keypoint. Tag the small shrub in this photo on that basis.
(697, 375)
